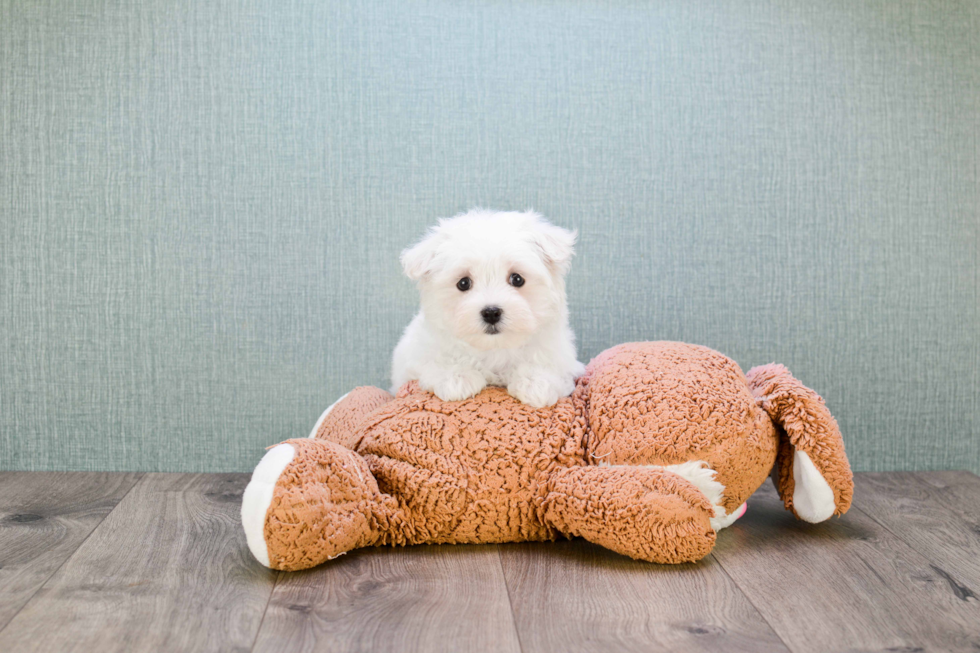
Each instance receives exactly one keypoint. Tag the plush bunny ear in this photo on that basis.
(417, 260)
(557, 245)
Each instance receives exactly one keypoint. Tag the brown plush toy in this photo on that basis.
(658, 448)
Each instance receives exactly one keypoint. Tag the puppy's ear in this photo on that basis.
(557, 245)
(417, 260)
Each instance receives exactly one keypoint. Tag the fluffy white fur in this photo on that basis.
(451, 349)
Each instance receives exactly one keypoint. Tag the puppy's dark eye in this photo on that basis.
(464, 284)
(516, 280)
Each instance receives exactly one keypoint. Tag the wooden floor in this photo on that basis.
(157, 562)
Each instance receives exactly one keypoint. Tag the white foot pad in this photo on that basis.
(258, 496)
(725, 521)
(813, 499)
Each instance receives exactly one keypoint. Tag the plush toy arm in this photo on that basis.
(339, 423)
(310, 501)
(811, 473)
(642, 512)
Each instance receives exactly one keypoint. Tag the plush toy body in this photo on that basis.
(658, 448)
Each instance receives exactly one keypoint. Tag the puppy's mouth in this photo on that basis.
(491, 329)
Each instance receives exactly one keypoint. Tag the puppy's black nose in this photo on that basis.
(491, 314)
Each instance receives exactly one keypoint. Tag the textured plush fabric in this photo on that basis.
(202, 203)
(647, 514)
(805, 425)
(340, 424)
(491, 469)
(682, 403)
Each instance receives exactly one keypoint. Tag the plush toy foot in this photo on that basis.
(643, 512)
(310, 501)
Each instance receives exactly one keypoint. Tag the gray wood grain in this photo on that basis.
(167, 570)
(932, 518)
(425, 598)
(44, 516)
(846, 584)
(575, 596)
(959, 490)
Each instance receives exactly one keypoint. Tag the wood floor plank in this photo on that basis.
(44, 517)
(931, 517)
(846, 584)
(423, 598)
(167, 570)
(960, 490)
(575, 596)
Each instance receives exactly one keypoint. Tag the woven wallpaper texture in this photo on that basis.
(202, 204)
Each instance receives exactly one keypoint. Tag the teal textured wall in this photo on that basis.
(202, 204)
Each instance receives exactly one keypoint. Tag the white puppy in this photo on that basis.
(493, 309)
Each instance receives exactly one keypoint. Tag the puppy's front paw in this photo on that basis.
(455, 387)
(538, 389)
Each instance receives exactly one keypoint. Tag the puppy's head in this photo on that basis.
(492, 278)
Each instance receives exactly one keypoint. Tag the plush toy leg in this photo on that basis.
(645, 513)
(339, 422)
(811, 474)
(310, 501)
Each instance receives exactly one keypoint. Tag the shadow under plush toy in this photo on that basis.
(657, 449)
